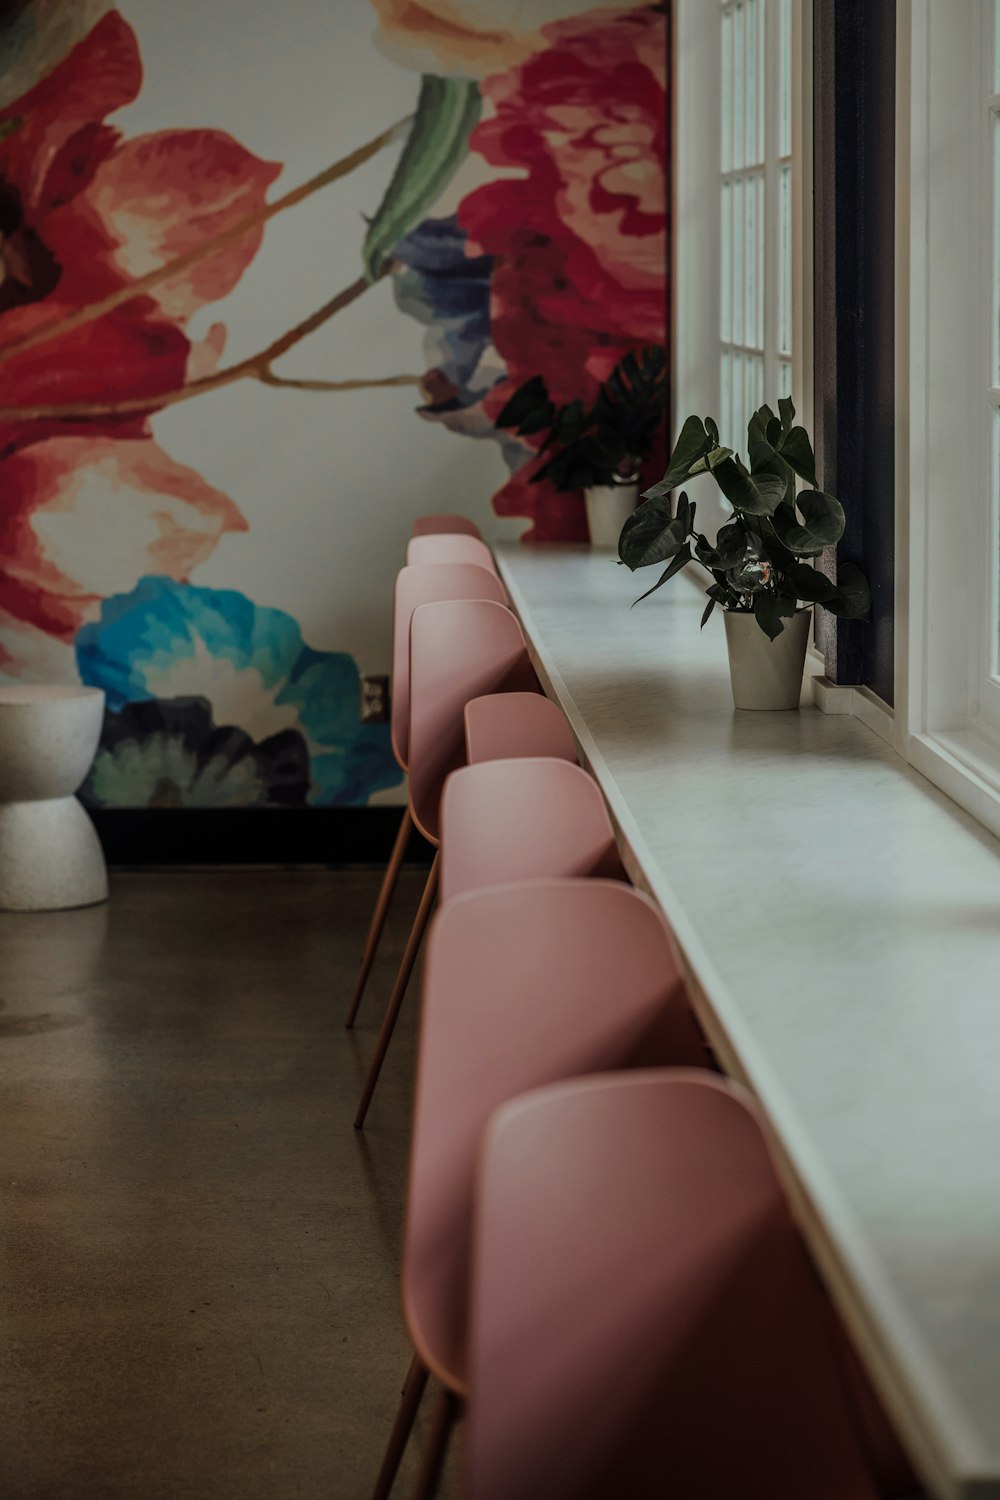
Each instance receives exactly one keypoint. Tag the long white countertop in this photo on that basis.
(841, 919)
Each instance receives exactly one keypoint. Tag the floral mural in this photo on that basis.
(84, 362)
(571, 237)
(521, 223)
(168, 643)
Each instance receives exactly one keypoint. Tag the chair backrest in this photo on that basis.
(645, 1321)
(458, 650)
(450, 524)
(523, 984)
(504, 820)
(426, 583)
(447, 547)
(501, 725)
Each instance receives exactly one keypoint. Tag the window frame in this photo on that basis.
(946, 724)
(696, 267)
(779, 23)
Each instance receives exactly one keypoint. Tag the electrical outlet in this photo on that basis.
(374, 700)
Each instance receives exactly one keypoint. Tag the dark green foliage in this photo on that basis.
(607, 440)
(771, 522)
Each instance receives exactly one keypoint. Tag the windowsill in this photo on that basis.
(839, 916)
(963, 764)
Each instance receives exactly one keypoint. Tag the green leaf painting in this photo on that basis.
(438, 143)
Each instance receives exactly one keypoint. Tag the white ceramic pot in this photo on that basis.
(608, 508)
(766, 674)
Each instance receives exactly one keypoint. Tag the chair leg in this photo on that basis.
(380, 913)
(399, 990)
(413, 1390)
(445, 1416)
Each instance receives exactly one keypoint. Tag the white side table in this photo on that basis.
(50, 855)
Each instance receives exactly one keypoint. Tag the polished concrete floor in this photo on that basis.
(199, 1257)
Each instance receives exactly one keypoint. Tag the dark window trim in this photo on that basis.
(854, 68)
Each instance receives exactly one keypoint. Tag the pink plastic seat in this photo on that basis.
(523, 984)
(501, 725)
(645, 1320)
(445, 547)
(504, 820)
(459, 649)
(425, 584)
(449, 524)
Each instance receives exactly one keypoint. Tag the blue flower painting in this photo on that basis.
(437, 283)
(212, 660)
(167, 752)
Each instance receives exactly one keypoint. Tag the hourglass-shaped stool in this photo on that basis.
(50, 855)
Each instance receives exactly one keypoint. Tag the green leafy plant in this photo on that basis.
(757, 559)
(601, 444)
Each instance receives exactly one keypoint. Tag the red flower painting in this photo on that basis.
(85, 213)
(579, 236)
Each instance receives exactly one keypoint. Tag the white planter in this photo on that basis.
(766, 674)
(608, 508)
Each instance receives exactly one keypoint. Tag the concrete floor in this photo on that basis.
(199, 1257)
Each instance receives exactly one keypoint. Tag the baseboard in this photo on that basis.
(244, 836)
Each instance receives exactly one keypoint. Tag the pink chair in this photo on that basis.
(500, 725)
(451, 525)
(458, 650)
(504, 820)
(427, 584)
(524, 984)
(644, 1318)
(449, 548)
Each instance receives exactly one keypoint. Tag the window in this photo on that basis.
(950, 391)
(757, 250)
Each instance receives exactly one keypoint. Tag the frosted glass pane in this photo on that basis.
(739, 70)
(755, 397)
(726, 91)
(753, 332)
(739, 272)
(996, 46)
(752, 54)
(738, 421)
(785, 261)
(759, 306)
(762, 79)
(726, 278)
(784, 379)
(751, 264)
(725, 399)
(785, 78)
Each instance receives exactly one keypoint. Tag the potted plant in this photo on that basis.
(757, 562)
(599, 448)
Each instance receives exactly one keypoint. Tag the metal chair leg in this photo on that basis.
(380, 913)
(399, 990)
(445, 1416)
(413, 1390)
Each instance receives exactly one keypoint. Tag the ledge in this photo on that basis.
(839, 917)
